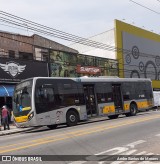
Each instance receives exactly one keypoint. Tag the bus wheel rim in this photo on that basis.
(133, 110)
(72, 118)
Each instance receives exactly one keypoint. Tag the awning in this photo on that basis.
(6, 90)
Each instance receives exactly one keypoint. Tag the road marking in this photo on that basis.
(122, 150)
(113, 151)
(128, 149)
(126, 153)
(125, 150)
(150, 154)
(74, 134)
(141, 153)
(132, 145)
(158, 135)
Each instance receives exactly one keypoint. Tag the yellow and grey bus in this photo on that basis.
(50, 101)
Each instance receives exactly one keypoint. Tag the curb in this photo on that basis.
(8, 132)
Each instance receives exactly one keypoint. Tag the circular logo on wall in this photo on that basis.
(134, 74)
(135, 52)
(150, 70)
(141, 66)
(128, 59)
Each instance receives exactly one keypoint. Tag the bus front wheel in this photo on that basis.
(72, 118)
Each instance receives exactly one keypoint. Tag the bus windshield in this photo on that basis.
(22, 99)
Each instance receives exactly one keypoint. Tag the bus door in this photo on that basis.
(90, 100)
(117, 98)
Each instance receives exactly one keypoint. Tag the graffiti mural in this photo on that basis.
(75, 65)
(142, 59)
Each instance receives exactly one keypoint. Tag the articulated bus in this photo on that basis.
(50, 101)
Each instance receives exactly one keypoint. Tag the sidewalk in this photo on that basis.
(13, 129)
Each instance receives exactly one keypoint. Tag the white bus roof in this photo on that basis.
(97, 79)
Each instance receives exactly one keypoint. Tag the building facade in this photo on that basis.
(77, 65)
(24, 57)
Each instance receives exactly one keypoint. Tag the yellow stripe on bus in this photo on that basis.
(26, 108)
(144, 104)
(108, 109)
(111, 109)
(21, 118)
(126, 106)
(140, 105)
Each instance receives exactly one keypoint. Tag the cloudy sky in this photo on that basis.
(83, 18)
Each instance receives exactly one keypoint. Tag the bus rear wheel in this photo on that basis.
(133, 109)
(72, 118)
(52, 126)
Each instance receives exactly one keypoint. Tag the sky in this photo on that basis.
(84, 18)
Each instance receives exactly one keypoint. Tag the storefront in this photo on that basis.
(13, 71)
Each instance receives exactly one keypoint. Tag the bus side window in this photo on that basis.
(59, 99)
(49, 94)
(127, 89)
(45, 95)
(39, 95)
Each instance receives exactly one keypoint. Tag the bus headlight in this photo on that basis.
(30, 116)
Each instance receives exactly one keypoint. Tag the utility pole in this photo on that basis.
(49, 61)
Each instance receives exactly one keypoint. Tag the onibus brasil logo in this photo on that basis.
(12, 68)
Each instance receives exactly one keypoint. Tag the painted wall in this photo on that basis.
(75, 65)
(138, 52)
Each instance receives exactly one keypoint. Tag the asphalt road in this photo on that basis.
(137, 135)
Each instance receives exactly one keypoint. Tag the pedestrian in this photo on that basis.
(5, 116)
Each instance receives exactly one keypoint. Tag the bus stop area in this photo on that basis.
(13, 129)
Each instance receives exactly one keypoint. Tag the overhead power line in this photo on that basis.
(20, 22)
(145, 7)
(56, 33)
(41, 29)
